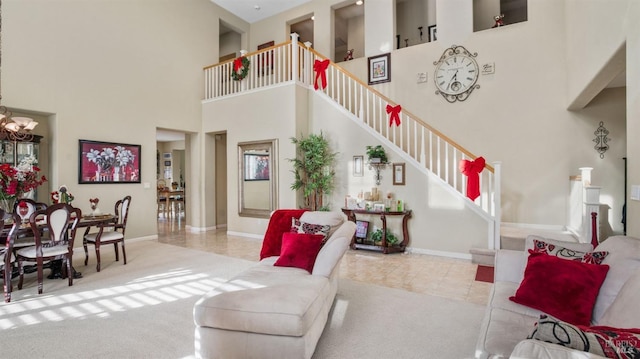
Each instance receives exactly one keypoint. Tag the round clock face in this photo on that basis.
(456, 74)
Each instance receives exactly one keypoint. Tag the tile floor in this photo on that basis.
(440, 276)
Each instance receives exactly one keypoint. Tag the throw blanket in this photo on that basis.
(279, 223)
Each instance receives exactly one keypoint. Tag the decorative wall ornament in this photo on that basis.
(601, 140)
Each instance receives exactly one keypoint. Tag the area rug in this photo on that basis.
(144, 310)
(484, 274)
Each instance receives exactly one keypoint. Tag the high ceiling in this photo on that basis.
(256, 10)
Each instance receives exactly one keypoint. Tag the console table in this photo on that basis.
(383, 247)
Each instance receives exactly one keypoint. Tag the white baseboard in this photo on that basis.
(248, 235)
(431, 252)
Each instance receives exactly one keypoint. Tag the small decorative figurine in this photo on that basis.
(349, 55)
(62, 195)
(499, 20)
(95, 211)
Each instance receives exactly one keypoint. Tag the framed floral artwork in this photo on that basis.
(108, 162)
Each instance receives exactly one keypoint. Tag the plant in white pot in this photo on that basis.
(377, 154)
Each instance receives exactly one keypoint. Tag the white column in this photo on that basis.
(497, 198)
(294, 57)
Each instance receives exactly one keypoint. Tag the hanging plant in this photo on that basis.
(240, 68)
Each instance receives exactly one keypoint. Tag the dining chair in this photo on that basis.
(6, 251)
(60, 220)
(162, 200)
(25, 207)
(114, 234)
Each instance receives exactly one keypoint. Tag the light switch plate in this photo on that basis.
(421, 77)
(635, 192)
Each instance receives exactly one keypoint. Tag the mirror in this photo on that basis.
(257, 178)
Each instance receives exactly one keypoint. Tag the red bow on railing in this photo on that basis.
(395, 114)
(237, 63)
(320, 67)
(472, 169)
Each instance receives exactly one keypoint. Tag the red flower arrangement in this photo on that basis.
(16, 181)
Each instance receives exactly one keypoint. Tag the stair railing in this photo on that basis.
(414, 140)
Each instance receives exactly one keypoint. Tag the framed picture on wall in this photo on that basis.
(398, 174)
(167, 163)
(358, 166)
(108, 162)
(433, 33)
(379, 68)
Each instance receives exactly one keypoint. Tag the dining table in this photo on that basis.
(57, 269)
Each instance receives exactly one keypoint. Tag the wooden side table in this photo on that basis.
(383, 247)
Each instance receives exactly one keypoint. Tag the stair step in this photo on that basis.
(514, 237)
(482, 256)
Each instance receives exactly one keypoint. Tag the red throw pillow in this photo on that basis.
(299, 250)
(564, 289)
(279, 223)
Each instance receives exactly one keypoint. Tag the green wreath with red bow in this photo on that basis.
(240, 68)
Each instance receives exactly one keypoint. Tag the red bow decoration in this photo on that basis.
(320, 67)
(237, 63)
(395, 114)
(472, 169)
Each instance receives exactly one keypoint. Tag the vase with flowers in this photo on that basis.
(16, 181)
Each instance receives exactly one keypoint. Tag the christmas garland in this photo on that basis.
(240, 68)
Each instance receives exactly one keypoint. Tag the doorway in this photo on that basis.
(221, 179)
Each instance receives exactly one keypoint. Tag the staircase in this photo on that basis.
(418, 143)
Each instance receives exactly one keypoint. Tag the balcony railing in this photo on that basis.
(417, 142)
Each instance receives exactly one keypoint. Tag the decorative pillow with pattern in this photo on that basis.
(298, 226)
(604, 341)
(566, 253)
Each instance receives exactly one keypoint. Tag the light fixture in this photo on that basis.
(359, 2)
(13, 128)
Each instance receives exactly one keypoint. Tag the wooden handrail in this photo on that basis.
(408, 113)
(249, 54)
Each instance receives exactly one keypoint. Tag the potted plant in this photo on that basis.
(314, 170)
(376, 237)
(376, 154)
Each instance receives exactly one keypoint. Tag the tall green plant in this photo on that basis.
(314, 170)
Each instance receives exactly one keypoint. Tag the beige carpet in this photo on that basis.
(144, 310)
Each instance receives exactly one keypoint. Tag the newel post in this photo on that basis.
(295, 57)
(497, 204)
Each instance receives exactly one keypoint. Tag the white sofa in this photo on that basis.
(506, 324)
(269, 311)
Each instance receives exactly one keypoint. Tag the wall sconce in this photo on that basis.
(601, 140)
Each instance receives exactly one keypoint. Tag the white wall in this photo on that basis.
(519, 115)
(271, 114)
(110, 71)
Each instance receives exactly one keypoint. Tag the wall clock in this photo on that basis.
(456, 74)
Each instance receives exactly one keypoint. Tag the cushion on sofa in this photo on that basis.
(624, 312)
(624, 260)
(299, 250)
(531, 348)
(265, 299)
(604, 341)
(573, 246)
(279, 223)
(332, 219)
(298, 226)
(563, 288)
(540, 246)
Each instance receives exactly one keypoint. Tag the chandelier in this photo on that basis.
(12, 128)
